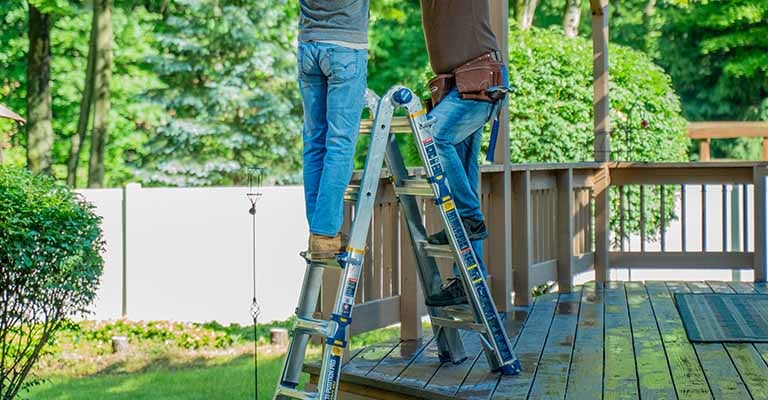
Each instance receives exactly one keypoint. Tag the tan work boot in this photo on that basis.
(321, 247)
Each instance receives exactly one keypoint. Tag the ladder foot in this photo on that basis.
(510, 369)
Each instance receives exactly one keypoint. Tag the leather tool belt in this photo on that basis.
(472, 80)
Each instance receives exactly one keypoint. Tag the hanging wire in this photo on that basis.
(255, 181)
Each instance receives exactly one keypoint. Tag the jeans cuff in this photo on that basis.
(316, 232)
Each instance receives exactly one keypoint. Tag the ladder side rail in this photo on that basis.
(450, 345)
(353, 260)
(465, 256)
(310, 292)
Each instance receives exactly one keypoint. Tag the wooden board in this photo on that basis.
(528, 349)
(690, 382)
(400, 358)
(421, 369)
(368, 358)
(746, 357)
(449, 377)
(654, 379)
(481, 382)
(620, 372)
(562, 343)
(586, 372)
(723, 378)
(551, 378)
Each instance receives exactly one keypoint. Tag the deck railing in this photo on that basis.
(557, 231)
(705, 132)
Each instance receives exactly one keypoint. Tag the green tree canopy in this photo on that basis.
(228, 73)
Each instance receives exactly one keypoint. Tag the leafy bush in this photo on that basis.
(551, 109)
(184, 335)
(50, 264)
(551, 113)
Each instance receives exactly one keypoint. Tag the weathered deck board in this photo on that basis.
(620, 373)
(654, 378)
(528, 349)
(586, 373)
(449, 376)
(481, 382)
(400, 358)
(368, 358)
(633, 328)
(723, 378)
(745, 356)
(420, 371)
(690, 382)
(551, 378)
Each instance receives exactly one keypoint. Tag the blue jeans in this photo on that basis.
(332, 81)
(458, 132)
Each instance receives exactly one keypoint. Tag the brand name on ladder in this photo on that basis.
(330, 382)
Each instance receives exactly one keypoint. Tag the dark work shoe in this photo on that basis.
(451, 294)
(476, 230)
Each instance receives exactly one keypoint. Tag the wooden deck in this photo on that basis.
(624, 341)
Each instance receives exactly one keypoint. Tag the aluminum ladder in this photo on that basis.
(480, 315)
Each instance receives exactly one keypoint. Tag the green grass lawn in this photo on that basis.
(217, 379)
(152, 371)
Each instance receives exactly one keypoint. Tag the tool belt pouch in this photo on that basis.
(439, 87)
(474, 80)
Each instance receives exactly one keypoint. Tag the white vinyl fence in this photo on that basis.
(187, 253)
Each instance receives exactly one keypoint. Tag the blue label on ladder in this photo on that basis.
(444, 200)
(332, 380)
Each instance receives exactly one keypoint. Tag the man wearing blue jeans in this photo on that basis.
(457, 33)
(332, 62)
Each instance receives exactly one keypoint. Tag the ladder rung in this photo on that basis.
(311, 326)
(414, 187)
(320, 262)
(437, 251)
(294, 393)
(458, 324)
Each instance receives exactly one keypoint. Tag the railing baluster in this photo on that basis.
(745, 217)
(642, 218)
(703, 217)
(622, 218)
(683, 229)
(725, 218)
(663, 219)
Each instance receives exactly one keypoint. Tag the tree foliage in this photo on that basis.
(50, 264)
(228, 73)
(717, 54)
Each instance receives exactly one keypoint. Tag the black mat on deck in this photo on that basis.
(716, 317)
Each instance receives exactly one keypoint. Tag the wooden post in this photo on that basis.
(522, 237)
(411, 297)
(499, 247)
(761, 224)
(704, 149)
(564, 240)
(502, 271)
(600, 72)
(602, 183)
(765, 148)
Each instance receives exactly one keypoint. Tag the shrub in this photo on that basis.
(551, 112)
(50, 264)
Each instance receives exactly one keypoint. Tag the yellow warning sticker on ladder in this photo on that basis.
(337, 351)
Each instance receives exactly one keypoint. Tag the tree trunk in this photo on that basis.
(650, 25)
(103, 74)
(572, 18)
(85, 110)
(39, 128)
(527, 13)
